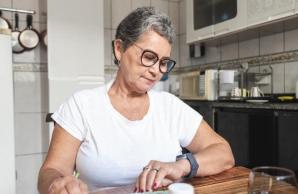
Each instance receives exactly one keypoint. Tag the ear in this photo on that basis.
(117, 47)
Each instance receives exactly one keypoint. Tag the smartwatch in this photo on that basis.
(194, 166)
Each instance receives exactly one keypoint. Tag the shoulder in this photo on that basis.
(165, 98)
(88, 95)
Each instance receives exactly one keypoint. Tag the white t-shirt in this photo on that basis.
(114, 150)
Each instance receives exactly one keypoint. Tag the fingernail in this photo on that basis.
(142, 190)
(155, 185)
(135, 190)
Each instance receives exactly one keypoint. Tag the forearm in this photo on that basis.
(45, 179)
(214, 159)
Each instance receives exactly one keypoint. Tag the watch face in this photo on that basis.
(179, 157)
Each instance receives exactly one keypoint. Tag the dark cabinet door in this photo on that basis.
(288, 139)
(233, 126)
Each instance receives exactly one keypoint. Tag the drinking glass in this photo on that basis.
(271, 180)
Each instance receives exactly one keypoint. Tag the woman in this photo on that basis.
(124, 132)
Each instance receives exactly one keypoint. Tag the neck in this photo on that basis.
(122, 89)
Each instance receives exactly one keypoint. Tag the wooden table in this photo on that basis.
(232, 181)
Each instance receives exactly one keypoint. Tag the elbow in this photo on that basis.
(230, 160)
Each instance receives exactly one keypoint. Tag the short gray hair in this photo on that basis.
(142, 20)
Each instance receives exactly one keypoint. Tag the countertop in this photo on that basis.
(240, 104)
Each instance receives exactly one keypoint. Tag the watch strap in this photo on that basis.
(193, 164)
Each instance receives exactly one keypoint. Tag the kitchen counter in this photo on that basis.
(238, 104)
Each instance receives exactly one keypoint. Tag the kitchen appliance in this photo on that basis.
(200, 85)
(209, 18)
(228, 81)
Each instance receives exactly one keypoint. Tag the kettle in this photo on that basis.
(256, 92)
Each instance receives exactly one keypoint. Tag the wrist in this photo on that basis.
(184, 167)
(189, 157)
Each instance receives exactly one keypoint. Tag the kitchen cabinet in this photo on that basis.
(260, 11)
(251, 134)
(287, 139)
(233, 126)
(204, 108)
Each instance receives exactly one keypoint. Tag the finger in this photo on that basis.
(136, 186)
(83, 187)
(57, 185)
(142, 179)
(63, 191)
(151, 178)
(162, 173)
(73, 187)
(165, 182)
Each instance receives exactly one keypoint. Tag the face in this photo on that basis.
(133, 73)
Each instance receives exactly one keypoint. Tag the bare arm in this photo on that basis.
(212, 152)
(59, 164)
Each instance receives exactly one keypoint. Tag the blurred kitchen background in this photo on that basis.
(255, 40)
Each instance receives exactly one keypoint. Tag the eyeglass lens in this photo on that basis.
(149, 59)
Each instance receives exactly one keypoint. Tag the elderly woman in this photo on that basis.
(125, 132)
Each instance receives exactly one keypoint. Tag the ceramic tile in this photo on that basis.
(27, 168)
(31, 92)
(161, 5)
(31, 126)
(37, 5)
(249, 48)
(122, 8)
(175, 50)
(266, 88)
(182, 17)
(108, 47)
(291, 40)
(291, 76)
(174, 15)
(139, 3)
(271, 44)
(183, 52)
(212, 53)
(229, 51)
(107, 13)
(278, 78)
(5, 14)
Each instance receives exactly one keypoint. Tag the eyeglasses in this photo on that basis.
(150, 58)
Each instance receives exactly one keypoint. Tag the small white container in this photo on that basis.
(181, 188)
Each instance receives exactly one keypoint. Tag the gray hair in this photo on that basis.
(142, 20)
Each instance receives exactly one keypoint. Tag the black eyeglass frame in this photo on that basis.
(169, 69)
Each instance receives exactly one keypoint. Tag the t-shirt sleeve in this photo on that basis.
(187, 121)
(69, 117)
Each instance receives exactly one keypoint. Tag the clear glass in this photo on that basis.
(271, 180)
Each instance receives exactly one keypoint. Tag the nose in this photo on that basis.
(154, 68)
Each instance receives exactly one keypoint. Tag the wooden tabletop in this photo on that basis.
(232, 181)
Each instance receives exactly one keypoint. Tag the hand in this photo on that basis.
(157, 174)
(68, 185)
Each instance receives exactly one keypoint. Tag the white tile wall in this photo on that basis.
(278, 78)
(184, 59)
(27, 167)
(291, 40)
(107, 13)
(249, 48)
(212, 53)
(174, 14)
(31, 130)
(37, 5)
(272, 44)
(229, 51)
(291, 72)
(161, 5)
(139, 3)
(31, 92)
(120, 8)
(182, 17)
(108, 46)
